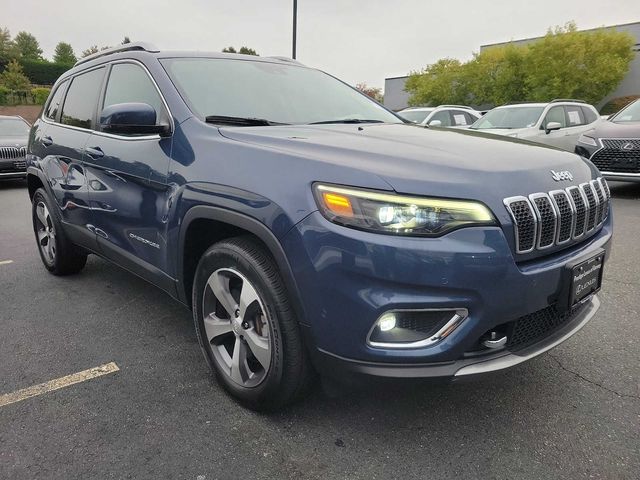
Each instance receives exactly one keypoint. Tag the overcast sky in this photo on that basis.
(355, 40)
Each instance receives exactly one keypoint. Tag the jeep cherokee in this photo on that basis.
(308, 228)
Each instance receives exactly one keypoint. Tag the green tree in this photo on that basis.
(442, 82)
(28, 46)
(243, 50)
(14, 78)
(90, 51)
(64, 54)
(7, 47)
(247, 51)
(567, 63)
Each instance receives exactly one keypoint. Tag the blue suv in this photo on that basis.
(308, 228)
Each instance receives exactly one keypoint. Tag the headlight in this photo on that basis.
(398, 214)
(588, 140)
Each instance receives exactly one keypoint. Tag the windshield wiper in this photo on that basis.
(241, 121)
(346, 120)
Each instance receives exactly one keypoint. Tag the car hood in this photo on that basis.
(13, 141)
(423, 161)
(616, 130)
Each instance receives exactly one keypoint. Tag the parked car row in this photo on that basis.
(14, 133)
(611, 143)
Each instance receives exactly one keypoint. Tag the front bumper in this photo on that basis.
(348, 278)
(330, 364)
(13, 168)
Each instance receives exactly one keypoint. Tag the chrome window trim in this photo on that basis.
(70, 78)
(459, 316)
(575, 209)
(559, 217)
(532, 199)
(507, 203)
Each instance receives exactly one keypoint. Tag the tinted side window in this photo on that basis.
(555, 114)
(130, 83)
(54, 104)
(575, 116)
(443, 116)
(589, 115)
(82, 98)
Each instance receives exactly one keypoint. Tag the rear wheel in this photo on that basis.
(58, 254)
(246, 327)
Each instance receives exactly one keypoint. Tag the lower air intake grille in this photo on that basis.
(538, 325)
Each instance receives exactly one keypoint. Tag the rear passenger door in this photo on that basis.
(128, 179)
(69, 124)
(576, 125)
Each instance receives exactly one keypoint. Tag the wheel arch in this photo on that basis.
(231, 224)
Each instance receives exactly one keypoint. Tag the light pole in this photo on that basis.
(295, 26)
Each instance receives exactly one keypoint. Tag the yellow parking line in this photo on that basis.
(57, 384)
(5, 262)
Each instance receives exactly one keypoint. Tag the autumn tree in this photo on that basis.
(64, 54)
(373, 92)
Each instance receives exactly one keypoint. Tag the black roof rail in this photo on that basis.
(556, 100)
(127, 47)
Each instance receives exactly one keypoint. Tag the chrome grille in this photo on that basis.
(10, 153)
(592, 206)
(546, 219)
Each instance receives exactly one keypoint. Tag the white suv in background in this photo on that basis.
(455, 116)
(558, 123)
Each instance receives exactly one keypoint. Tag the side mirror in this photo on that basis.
(435, 123)
(551, 126)
(131, 119)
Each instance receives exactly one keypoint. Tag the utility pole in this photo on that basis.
(295, 26)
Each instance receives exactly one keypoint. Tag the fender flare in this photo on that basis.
(251, 225)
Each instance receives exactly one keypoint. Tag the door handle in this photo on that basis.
(95, 152)
(47, 141)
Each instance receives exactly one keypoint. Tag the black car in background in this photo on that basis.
(14, 133)
(614, 145)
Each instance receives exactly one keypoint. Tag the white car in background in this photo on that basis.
(455, 116)
(558, 123)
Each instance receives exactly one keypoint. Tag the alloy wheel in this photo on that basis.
(236, 327)
(46, 232)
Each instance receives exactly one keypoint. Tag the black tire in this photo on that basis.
(68, 258)
(290, 374)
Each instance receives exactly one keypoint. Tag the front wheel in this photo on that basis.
(246, 327)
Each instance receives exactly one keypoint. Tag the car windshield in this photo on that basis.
(275, 92)
(509, 118)
(631, 113)
(416, 116)
(13, 127)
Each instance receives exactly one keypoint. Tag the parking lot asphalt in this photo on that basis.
(571, 413)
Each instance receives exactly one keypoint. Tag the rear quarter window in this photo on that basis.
(51, 112)
(82, 97)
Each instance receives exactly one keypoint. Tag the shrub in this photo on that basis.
(40, 95)
(42, 72)
(4, 95)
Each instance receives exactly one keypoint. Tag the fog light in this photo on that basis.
(387, 322)
(414, 328)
